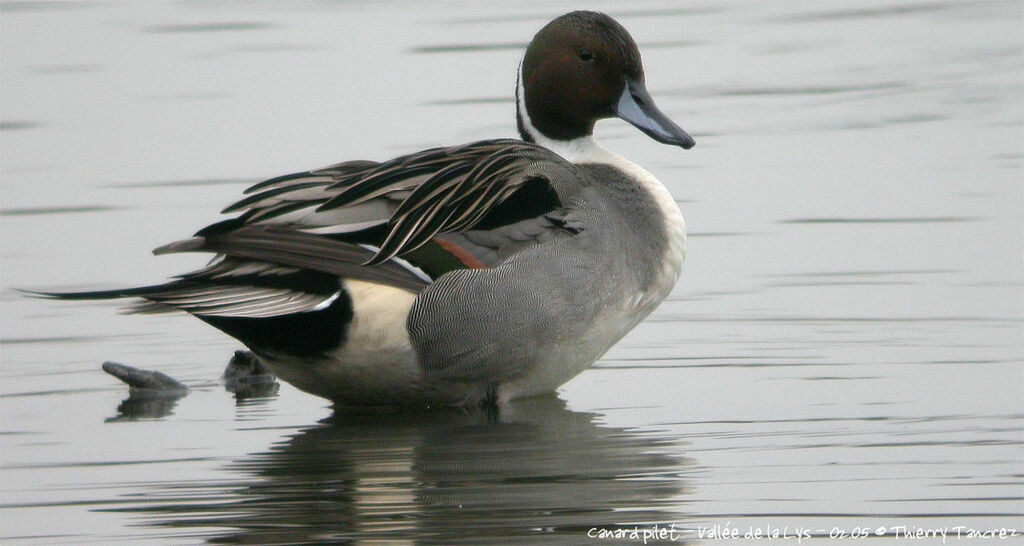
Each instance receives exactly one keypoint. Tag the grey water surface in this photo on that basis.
(844, 354)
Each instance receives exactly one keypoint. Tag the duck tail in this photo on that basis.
(143, 306)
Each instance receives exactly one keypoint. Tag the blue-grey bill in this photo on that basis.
(636, 106)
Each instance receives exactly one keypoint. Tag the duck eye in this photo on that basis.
(585, 54)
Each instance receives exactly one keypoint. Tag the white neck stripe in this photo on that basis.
(578, 150)
(586, 150)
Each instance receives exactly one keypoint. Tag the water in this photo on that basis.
(843, 353)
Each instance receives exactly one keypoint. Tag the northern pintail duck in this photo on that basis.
(483, 272)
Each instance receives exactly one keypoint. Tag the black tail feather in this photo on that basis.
(306, 333)
(138, 292)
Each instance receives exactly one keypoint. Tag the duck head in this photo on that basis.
(582, 67)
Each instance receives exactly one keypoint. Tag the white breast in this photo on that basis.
(587, 150)
(564, 363)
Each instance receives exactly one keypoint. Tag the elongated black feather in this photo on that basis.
(269, 212)
(255, 198)
(277, 180)
(289, 247)
(434, 191)
(373, 186)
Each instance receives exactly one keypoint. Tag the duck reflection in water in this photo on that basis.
(536, 470)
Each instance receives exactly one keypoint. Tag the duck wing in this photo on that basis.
(400, 223)
(433, 211)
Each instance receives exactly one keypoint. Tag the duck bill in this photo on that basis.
(636, 106)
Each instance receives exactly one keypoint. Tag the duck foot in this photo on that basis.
(247, 377)
(146, 381)
(150, 394)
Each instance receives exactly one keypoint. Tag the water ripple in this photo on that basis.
(13, 125)
(33, 211)
(208, 27)
(462, 48)
(882, 220)
(871, 13)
